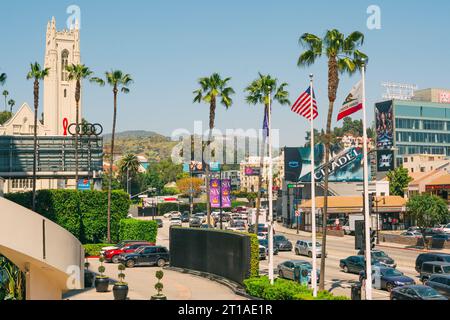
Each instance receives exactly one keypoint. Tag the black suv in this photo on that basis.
(146, 256)
(426, 257)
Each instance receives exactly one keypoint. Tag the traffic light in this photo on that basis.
(373, 235)
(372, 203)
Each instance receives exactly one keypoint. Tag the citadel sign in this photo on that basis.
(338, 163)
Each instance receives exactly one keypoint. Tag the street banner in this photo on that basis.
(214, 193)
(226, 193)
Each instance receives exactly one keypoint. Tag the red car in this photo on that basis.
(113, 255)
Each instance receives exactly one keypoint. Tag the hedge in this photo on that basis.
(131, 229)
(93, 250)
(83, 213)
(283, 289)
(254, 255)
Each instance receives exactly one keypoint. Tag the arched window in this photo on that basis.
(64, 64)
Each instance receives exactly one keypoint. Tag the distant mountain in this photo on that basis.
(133, 134)
(154, 146)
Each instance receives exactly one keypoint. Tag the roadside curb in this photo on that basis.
(235, 287)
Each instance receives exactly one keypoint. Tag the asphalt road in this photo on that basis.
(336, 281)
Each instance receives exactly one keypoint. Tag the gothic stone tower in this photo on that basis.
(62, 49)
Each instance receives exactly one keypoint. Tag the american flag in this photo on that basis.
(303, 105)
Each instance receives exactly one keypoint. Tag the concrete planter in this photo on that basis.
(101, 284)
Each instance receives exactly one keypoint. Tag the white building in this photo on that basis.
(62, 48)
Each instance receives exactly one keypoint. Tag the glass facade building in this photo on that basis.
(417, 127)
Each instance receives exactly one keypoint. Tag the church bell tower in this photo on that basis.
(62, 49)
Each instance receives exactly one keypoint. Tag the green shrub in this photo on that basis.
(83, 213)
(254, 255)
(283, 289)
(93, 250)
(131, 229)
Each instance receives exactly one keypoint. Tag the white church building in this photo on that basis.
(62, 49)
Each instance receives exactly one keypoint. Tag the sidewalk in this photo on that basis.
(177, 286)
(307, 235)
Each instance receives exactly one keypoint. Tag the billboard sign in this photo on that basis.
(196, 167)
(252, 171)
(385, 160)
(384, 116)
(214, 166)
(84, 184)
(346, 164)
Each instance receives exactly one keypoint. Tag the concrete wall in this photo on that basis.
(51, 257)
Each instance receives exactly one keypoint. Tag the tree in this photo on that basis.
(185, 185)
(343, 57)
(11, 104)
(211, 89)
(5, 116)
(6, 94)
(399, 180)
(3, 78)
(260, 91)
(37, 74)
(427, 210)
(119, 81)
(128, 168)
(77, 73)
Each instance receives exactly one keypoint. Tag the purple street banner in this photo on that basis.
(214, 193)
(226, 193)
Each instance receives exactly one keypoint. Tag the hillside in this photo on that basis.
(153, 145)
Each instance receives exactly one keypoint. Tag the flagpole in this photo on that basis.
(270, 187)
(366, 194)
(313, 196)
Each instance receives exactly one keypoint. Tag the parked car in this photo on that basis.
(114, 254)
(446, 229)
(440, 283)
(388, 278)
(146, 256)
(441, 237)
(431, 256)
(262, 235)
(412, 234)
(172, 214)
(175, 222)
(286, 269)
(185, 217)
(282, 243)
(195, 222)
(206, 226)
(355, 264)
(381, 257)
(304, 248)
(265, 244)
(262, 253)
(160, 223)
(433, 267)
(416, 292)
(120, 245)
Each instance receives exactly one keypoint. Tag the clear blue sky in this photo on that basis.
(167, 45)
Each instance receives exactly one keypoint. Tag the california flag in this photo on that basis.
(353, 103)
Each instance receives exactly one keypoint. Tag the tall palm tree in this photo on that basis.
(37, 74)
(119, 81)
(343, 57)
(77, 72)
(259, 92)
(211, 89)
(129, 167)
(3, 78)
(11, 104)
(6, 94)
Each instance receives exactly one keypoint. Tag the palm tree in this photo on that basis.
(212, 88)
(77, 72)
(259, 91)
(3, 78)
(6, 94)
(119, 81)
(343, 57)
(37, 74)
(129, 167)
(11, 104)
